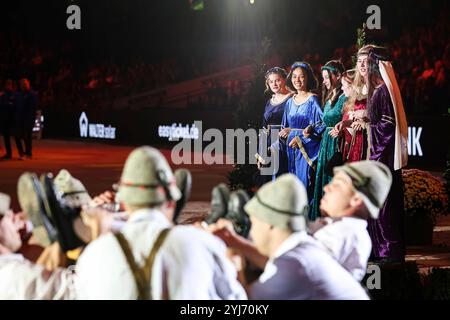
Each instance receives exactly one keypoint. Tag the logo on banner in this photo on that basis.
(83, 125)
(414, 146)
(175, 132)
(95, 130)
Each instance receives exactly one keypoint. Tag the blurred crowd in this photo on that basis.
(421, 59)
(65, 81)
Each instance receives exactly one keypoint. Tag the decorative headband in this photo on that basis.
(299, 64)
(377, 58)
(371, 55)
(330, 68)
(277, 70)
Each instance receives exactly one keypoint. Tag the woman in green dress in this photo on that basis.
(334, 100)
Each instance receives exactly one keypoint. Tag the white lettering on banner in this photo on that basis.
(83, 125)
(215, 153)
(96, 130)
(414, 147)
(101, 131)
(92, 131)
(110, 132)
(175, 132)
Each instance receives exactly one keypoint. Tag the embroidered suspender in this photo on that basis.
(142, 276)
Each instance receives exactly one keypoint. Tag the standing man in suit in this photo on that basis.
(25, 118)
(8, 103)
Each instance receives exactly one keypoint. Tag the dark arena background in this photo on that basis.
(113, 75)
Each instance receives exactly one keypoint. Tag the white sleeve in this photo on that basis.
(333, 240)
(94, 280)
(349, 246)
(187, 265)
(283, 279)
(23, 280)
(197, 268)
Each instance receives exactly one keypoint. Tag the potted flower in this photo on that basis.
(425, 199)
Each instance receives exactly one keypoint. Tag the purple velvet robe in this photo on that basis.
(387, 231)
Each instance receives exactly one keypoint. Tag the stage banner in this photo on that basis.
(428, 137)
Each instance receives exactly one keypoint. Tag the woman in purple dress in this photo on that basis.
(388, 144)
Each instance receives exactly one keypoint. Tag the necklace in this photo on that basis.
(277, 99)
(302, 97)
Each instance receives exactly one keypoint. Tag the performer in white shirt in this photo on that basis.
(21, 279)
(190, 263)
(296, 266)
(358, 191)
(150, 258)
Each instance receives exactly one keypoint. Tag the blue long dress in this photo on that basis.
(299, 117)
(273, 116)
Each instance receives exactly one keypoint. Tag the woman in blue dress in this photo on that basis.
(303, 126)
(273, 116)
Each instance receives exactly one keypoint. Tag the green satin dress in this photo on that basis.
(328, 147)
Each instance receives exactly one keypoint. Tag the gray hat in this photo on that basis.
(5, 203)
(371, 180)
(71, 189)
(282, 203)
(147, 179)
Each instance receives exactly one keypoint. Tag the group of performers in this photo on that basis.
(360, 116)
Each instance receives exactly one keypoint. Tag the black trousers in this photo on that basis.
(24, 135)
(7, 140)
(6, 130)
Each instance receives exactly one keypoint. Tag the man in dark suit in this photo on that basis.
(25, 118)
(8, 104)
